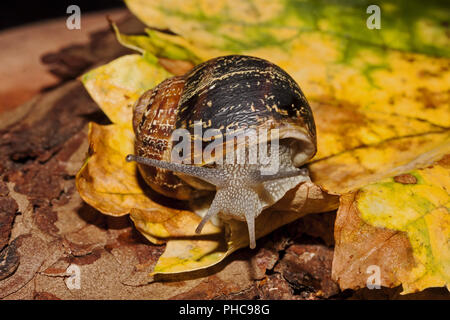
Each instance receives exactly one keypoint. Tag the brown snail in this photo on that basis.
(225, 95)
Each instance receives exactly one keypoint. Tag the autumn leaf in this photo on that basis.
(358, 167)
(380, 97)
(117, 85)
(106, 181)
(402, 226)
(110, 184)
(113, 186)
(158, 44)
(240, 25)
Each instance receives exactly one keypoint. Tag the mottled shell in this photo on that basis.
(231, 92)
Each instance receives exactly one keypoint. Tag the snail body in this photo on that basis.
(230, 96)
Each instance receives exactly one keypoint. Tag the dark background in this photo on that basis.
(16, 12)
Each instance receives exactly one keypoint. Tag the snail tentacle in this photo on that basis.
(250, 219)
(258, 177)
(213, 210)
(238, 202)
(211, 175)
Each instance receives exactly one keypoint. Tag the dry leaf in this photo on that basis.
(117, 85)
(402, 226)
(376, 108)
(110, 184)
(379, 111)
(106, 181)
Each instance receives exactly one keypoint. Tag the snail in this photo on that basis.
(225, 95)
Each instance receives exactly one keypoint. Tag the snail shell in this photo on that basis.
(228, 94)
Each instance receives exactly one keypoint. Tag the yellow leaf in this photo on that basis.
(358, 167)
(363, 91)
(111, 185)
(185, 250)
(106, 181)
(190, 255)
(117, 85)
(374, 223)
(158, 44)
(235, 25)
(379, 109)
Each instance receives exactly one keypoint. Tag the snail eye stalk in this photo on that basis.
(211, 175)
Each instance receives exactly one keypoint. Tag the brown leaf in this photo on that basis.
(360, 245)
(410, 213)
